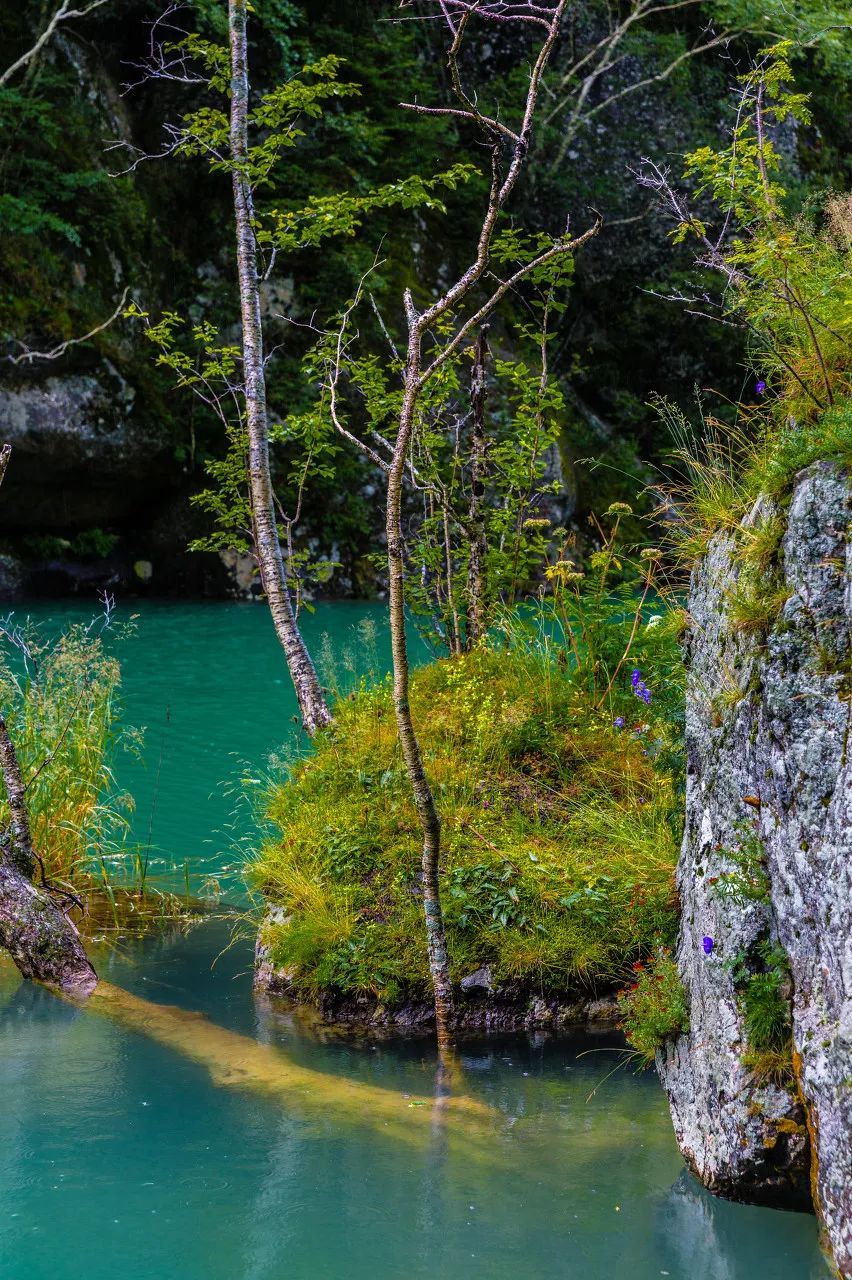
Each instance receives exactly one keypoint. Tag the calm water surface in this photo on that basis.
(119, 1156)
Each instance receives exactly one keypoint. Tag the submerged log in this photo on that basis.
(241, 1062)
(766, 871)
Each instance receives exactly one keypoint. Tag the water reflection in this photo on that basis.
(122, 1152)
(708, 1239)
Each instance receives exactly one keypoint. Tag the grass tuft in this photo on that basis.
(61, 699)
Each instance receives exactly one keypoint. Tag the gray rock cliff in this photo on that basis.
(766, 871)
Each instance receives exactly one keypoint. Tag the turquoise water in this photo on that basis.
(122, 1156)
(208, 684)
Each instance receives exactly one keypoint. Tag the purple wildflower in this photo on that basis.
(639, 686)
(619, 722)
(760, 386)
(707, 944)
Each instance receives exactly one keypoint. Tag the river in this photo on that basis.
(121, 1155)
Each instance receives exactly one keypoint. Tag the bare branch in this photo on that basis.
(506, 286)
(167, 58)
(723, 39)
(27, 356)
(460, 114)
(63, 14)
(584, 73)
(456, 11)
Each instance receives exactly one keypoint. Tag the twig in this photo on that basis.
(27, 356)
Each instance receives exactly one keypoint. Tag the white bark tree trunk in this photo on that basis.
(476, 614)
(312, 701)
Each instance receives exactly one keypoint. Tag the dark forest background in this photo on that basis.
(107, 454)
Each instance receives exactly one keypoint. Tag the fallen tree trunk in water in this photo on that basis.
(240, 1062)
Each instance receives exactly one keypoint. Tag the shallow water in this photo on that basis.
(121, 1155)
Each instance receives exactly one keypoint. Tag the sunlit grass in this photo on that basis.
(62, 715)
(560, 833)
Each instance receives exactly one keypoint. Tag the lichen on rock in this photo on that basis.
(768, 719)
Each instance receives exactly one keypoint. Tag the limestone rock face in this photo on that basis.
(768, 737)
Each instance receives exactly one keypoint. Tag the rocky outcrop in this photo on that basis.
(81, 458)
(482, 1005)
(766, 870)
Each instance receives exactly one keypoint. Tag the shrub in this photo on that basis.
(786, 282)
(654, 1008)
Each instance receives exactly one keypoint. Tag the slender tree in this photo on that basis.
(246, 142)
(434, 338)
(312, 701)
(478, 543)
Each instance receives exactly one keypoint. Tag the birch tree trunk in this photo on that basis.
(427, 811)
(312, 703)
(476, 620)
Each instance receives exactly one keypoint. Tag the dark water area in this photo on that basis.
(120, 1155)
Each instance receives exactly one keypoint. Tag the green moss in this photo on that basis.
(761, 977)
(560, 835)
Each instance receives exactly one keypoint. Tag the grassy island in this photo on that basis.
(561, 828)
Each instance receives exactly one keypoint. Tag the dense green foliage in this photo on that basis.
(785, 279)
(164, 231)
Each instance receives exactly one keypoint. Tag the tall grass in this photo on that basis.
(61, 701)
(718, 471)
